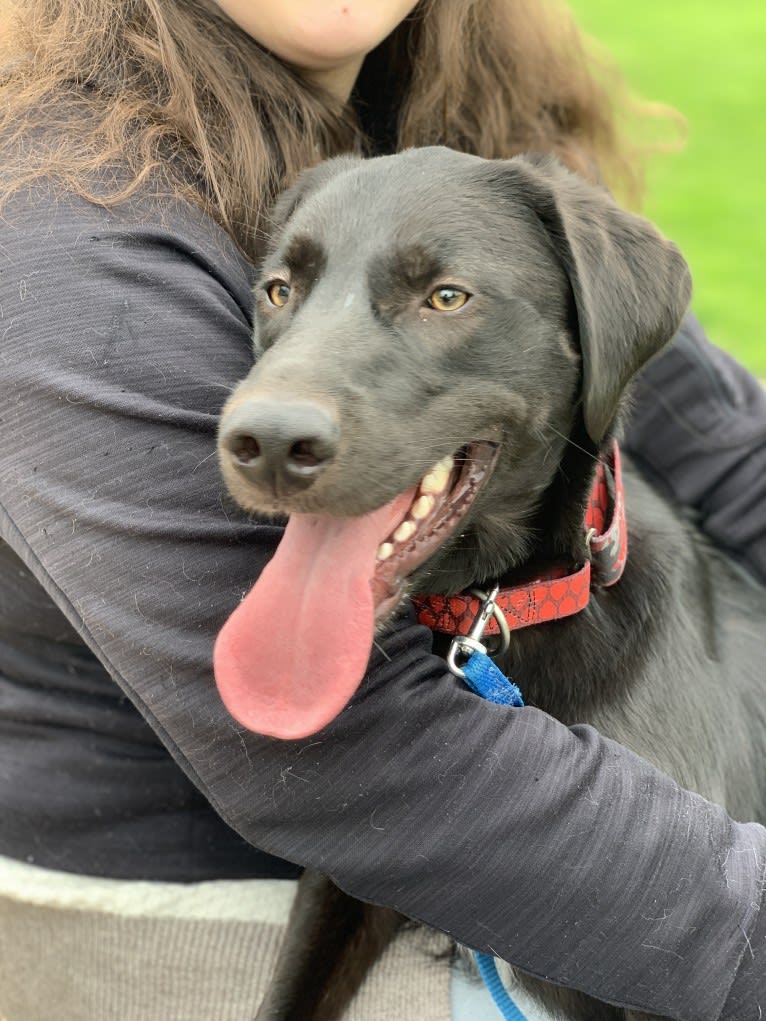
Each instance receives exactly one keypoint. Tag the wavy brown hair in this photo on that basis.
(174, 92)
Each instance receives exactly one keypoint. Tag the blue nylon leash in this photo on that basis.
(488, 971)
(487, 680)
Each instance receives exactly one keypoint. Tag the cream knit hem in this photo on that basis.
(74, 948)
(246, 900)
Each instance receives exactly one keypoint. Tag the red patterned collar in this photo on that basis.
(560, 592)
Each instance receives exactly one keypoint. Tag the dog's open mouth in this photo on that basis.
(441, 501)
(293, 653)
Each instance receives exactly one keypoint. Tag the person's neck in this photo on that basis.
(338, 81)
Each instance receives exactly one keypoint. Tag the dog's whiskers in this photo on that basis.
(381, 650)
(590, 454)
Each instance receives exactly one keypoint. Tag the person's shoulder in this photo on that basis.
(45, 220)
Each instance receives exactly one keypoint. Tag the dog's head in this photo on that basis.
(434, 306)
(432, 330)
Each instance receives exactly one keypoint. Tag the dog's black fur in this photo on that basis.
(570, 297)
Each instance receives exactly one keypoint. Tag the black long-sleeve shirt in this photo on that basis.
(121, 333)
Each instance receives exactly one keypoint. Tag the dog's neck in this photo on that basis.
(559, 525)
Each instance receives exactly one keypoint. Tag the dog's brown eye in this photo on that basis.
(278, 293)
(447, 299)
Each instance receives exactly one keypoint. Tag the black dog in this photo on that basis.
(445, 344)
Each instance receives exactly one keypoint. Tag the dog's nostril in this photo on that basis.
(304, 454)
(245, 449)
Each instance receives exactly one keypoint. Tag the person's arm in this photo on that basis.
(697, 428)
(552, 847)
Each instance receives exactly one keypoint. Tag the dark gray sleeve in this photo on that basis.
(698, 430)
(550, 846)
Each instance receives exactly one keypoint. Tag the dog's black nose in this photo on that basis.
(282, 446)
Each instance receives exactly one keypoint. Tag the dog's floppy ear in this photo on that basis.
(631, 286)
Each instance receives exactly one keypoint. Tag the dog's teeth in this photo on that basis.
(385, 550)
(422, 507)
(435, 481)
(405, 531)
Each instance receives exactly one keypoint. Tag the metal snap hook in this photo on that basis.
(465, 645)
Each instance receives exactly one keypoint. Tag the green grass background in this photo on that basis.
(708, 60)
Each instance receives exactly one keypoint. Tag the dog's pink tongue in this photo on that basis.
(294, 651)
